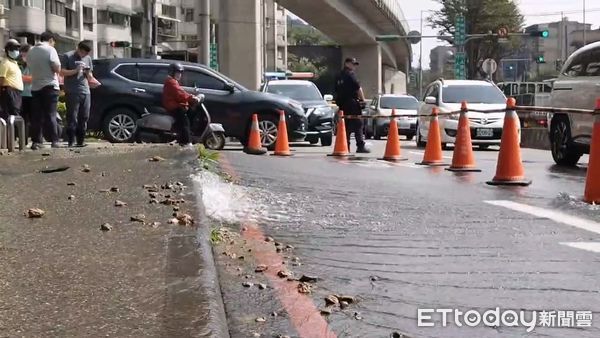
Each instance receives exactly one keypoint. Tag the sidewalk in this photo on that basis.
(61, 276)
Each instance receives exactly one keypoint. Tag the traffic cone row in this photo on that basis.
(254, 146)
(433, 151)
(392, 147)
(341, 146)
(463, 159)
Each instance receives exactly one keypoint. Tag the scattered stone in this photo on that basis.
(304, 288)
(247, 284)
(397, 335)
(241, 258)
(153, 195)
(261, 268)
(153, 201)
(247, 276)
(106, 227)
(175, 208)
(35, 213)
(374, 278)
(262, 286)
(171, 201)
(277, 244)
(245, 229)
(114, 189)
(274, 314)
(150, 187)
(347, 299)
(45, 154)
(86, 168)
(261, 320)
(138, 218)
(185, 219)
(326, 311)
(295, 259)
(120, 203)
(269, 239)
(256, 334)
(167, 186)
(179, 184)
(155, 224)
(106, 191)
(309, 279)
(284, 274)
(331, 300)
(71, 184)
(296, 264)
(103, 174)
(173, 221)
(278, 250)
(344, 304)
(156, 159)
(289, 247)
(71, 197)
(280, 336)
(357, 316)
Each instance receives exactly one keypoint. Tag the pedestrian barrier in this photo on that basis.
(254, 146)
(3, 132)
(433, 151)
(463, 159)
(392, 146)
(341, 143)
(592, 181)
(282, 146)
(509, 169)
(15, 122)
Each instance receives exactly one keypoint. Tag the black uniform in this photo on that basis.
(347, 99)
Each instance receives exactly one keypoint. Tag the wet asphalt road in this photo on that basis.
(401, 237)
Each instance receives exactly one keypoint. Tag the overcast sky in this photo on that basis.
(535, 11)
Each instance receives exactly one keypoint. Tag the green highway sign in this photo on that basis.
(460, 30)
(214, 60)
(459, 66)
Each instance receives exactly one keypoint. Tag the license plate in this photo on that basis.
(485, 132)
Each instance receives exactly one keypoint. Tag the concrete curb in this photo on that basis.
(217, 320)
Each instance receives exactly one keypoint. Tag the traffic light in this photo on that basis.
(540, 59)
(541, 34)
(120, 44)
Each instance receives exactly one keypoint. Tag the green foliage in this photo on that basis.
(61, 108)
(215, 236)
(307, 36)
(209, 159)
(482, 17)
(302, 64)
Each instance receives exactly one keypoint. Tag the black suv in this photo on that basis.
(130, 85)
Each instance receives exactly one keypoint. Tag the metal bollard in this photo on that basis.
(11, 135)
(3, 132)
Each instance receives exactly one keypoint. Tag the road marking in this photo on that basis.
(556, 216)
(589, 246)
(422, 153)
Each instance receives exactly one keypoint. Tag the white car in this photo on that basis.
(578, 86)
(447, 95)
(382, 105)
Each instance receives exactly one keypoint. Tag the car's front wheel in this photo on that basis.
(327, 140)
(563, 151)
(120, 125)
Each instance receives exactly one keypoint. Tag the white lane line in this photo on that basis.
(589, 246)
(556, 216)
(423, 153)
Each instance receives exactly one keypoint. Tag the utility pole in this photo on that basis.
(203, 8)
(421, 61)
(584, 36)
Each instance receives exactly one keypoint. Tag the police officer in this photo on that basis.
(351, 100)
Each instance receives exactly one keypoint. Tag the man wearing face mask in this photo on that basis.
(177, 102)
(11, 80)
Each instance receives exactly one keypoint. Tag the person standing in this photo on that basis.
(77, 72)
(351, 99)
(26, 94)
(11, 80)
(44, 64)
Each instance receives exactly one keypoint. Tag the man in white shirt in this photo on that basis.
(44, 64)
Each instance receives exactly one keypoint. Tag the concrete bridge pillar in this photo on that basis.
(239, 38)
(394, 81)
(369, 72)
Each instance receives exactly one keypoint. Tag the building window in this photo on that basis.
(71, 18)
(191, 40)
(28, 3)
(169, 11)
(189, 15)
(112, 18)
(55, 7)
(88, 19)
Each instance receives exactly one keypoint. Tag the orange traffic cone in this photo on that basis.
(592, 181)
(282, 147)
(509, 170)
(341, 143)
(433, 151)
(463, 158)
(254, 146)
(392, 147)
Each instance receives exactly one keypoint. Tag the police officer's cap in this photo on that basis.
(352, 61)
(12, 44)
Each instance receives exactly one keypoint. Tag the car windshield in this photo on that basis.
(298, 92)
(473, 94)
(389, 102)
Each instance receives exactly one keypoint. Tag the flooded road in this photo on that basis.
(400, 238)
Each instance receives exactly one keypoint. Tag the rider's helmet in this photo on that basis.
(175, 68)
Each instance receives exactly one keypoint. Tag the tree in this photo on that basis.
(482, 17)
(307, 36)
(302, 64)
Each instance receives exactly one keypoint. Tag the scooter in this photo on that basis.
(156, 125)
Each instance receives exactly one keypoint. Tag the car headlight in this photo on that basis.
(322, 111)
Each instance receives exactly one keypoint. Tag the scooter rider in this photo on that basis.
(177, 102)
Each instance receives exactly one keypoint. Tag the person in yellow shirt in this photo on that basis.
(11, 80)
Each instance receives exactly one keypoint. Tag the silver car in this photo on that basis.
(578, 86)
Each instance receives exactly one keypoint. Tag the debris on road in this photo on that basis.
(114, 189)
(155, 224)
(261, 268)
(357, 316)
(284, 274)
(71, 184)
(326, 311)
(331, 300)
(347, 299)
(120, 203)
(138, 218)
(153, 201)
(171, 201)
(344, 304)
(106, 227)
(185, 219)
(35, 213)
(156, 159)
(153, 195)
(54, 170)
(262, 286)
(151, 187)
(71, 197)
(261, 320)
(309, 279)
(173, 221)
(269, 239)
(247, 284)
(86, 168)
(304, 288)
